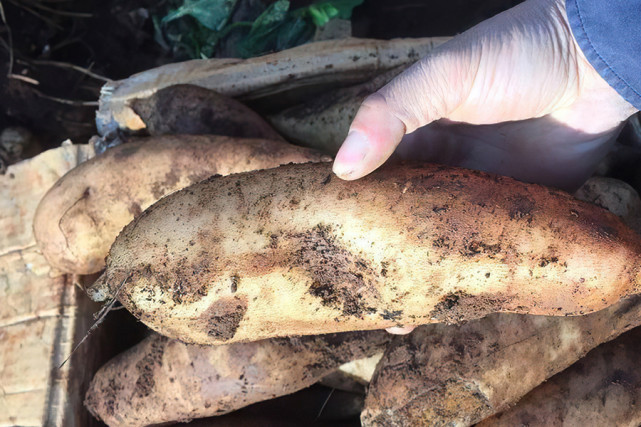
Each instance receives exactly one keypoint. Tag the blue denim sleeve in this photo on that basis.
(609, 33)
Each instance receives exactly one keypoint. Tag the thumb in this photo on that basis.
(413, 99)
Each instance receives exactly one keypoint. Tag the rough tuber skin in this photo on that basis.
(193, 110)
(296, 251)
(80, 217)
(602, 389)
(461, 374)
(162, 380)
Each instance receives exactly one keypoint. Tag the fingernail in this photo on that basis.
(351, 153)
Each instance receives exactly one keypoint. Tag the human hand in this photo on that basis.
(546, 115)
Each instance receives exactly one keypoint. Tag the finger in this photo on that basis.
(427, 91)
(400, 330)
(372, 138)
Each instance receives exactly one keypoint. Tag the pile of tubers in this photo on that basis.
(260, 273)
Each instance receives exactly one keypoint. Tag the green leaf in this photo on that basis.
(293, 32)
(345, 7)
(277, 28)
(213, 14)
(270, 18)
(322, 12)
(264, 31)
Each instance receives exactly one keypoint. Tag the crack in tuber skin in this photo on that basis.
(296, 251)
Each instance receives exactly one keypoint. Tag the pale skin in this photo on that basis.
(513, 95)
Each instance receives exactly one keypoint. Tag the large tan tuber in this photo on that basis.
(162, 380)
(294, 250)
(80, 217)
(603, 389)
